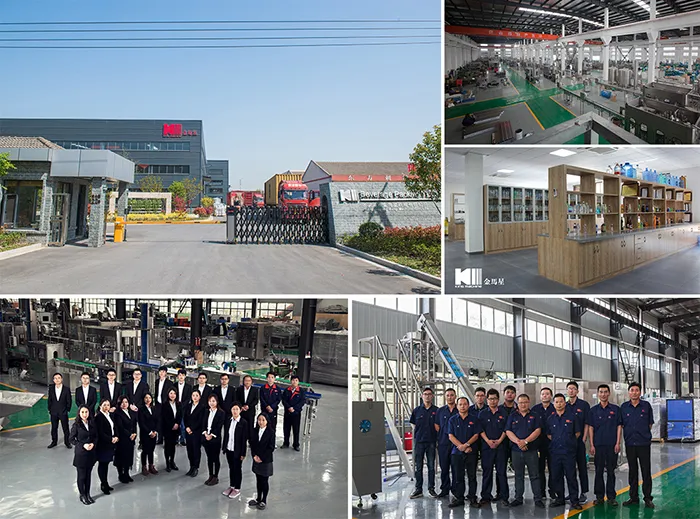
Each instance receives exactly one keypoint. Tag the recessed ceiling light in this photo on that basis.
(505, 171)
(563, 153)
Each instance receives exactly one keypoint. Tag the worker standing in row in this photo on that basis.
(523, 428)
(605, 429)
(444, 444)
(424, 439)
(563, 430)
(494, 449)
(464, 429)
(293, 400)
(270, 398)
(59, 404)
(637, 419)
(581, 408)
(544, 410)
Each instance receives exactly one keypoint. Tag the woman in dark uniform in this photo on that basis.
(149, 421)
(262, 443)
(107, 439)
(125, 421)
(213, 422)
(193, 418)
(83, 435)
(171, 414)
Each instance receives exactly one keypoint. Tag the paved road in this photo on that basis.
(193, 259)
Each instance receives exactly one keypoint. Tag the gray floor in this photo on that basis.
(676, 274)
(393, 502)
(311, 484)
(518, 115)
(194, 259)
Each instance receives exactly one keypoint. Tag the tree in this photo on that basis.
(151, 184)
(178, 189)
(5, 167)
(192, 189)
(426, 164)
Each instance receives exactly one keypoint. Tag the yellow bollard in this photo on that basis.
(119, 229)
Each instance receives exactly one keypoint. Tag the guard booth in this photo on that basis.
(278, 225)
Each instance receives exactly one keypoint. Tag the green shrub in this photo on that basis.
(207, 201)
(146, 205)
(370, 230)
(11, 240)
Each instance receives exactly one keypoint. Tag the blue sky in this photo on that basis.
(265, 110)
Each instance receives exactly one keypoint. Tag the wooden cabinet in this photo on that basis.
(509, 236)
(644, 247)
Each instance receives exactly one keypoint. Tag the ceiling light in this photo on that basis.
(563, 153)
(505, 171)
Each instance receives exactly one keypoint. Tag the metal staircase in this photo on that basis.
(396, 375)
(630, 362)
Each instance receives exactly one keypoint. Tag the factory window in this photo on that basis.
(487, 318)
(558, 338)
(408, 305)
(550, 336)
(183, 306)
(92, 305)
(278, 309)
(215, 191)
(541, 333)
(566, 338)
(22, 204)
(443, 309)
(474, 314)
(499, 322)
(531, 330)
(669, 368)
(586, 345)
(125, 145)
(386, 302)
(162, 169)
(685, 54)
(509, 325)
(236, 309)
(216, 182)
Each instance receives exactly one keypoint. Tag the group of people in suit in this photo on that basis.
(551, 435)
(221, 420)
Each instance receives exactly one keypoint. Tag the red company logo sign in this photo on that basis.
(176, 131)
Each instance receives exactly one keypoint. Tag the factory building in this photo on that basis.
(590, 350)
(622, 73)
(167, 148)
(226, 348)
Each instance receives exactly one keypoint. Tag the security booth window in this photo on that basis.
(22, 204)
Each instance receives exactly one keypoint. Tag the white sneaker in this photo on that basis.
(234, 494)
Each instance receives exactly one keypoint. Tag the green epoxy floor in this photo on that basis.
(675, 496)
(38, 414)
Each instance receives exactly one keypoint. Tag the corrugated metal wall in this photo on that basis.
(469, 342)
(542, 359)
(370, 320)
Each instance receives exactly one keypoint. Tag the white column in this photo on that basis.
(563, 58)
(606, 55)
(473, 202)
(580, 26)
(563, 30)
(653, 59)
(580, 57)
(606, 20)
(652, 10)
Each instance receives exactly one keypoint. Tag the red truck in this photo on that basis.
(314, 198)
(292, 193)
(254, 198)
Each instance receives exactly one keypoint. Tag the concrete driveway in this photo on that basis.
(194, 259)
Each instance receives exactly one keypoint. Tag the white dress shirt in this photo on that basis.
(160, 390)
(180, 389)
(86, 426)
(58, 390)
(246, 391)
(194, 406)
(174, 408)
(224, 390)
(110, 388)
(86, 392)
(210, 419)
(109, 419)
(201, 389)
(136, 384)
(231, 434)
(260, 432)
(126, 412)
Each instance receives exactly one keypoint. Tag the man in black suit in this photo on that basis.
(136, 389)
(60, 403)
(248, 396)
(184, 395)
(203, 388)
(161, 390)
(85, 394)
(111, 390)
(225, 394)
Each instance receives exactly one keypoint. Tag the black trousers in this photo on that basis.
(460, 462)
(291, 424)
(148, 445)
(250, 417)
(63, 418)
(169, 445)
(213, 450)
(194, 449)
(582, 466)
(102, 469)
(643, 455)
(235, 470)
(84, 480)
(605, 460)
(263, 485)
(272, 419)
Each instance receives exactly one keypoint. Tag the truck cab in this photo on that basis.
(314, 198)
(292, 194)
(258, 200)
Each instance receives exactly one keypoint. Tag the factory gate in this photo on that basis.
(280, 225)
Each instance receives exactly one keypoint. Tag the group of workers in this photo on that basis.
(220, 419)
(551, 435)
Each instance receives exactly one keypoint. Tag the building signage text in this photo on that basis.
(176, 131)
(353, 195)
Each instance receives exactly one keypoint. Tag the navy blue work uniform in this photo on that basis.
(270, 396)
(493, 425)
(424, 440)
(475, 411)
(444, 447)
(463, 429)
(522, 427)
(562, 448)
(509, 453)
(294, 399)
(545, 459)
(636, 427)
(581, 409)
(604, 422)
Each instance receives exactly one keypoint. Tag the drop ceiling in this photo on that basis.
(530, 165)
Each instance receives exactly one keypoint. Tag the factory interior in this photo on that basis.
(589, 72)
(552, 220)
(307, 338)
(401, 346)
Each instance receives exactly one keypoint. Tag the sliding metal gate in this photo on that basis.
(277, 225)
